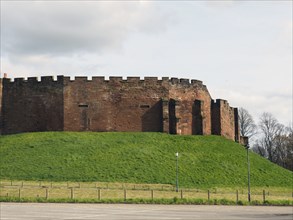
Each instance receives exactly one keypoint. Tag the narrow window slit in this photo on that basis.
(144, 106)
(83, 105)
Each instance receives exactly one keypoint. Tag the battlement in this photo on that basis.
(42, 79)
(220, 102)
(112, 79)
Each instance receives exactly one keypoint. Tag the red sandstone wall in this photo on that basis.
(223, 119)
(176, 106)
(187, 93)
(114, 105)
(32, 105)
(133, 104)
(227, 124)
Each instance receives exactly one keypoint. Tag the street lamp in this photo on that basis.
(177, 154)
(246, 144)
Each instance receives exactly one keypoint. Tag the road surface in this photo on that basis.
(65, 211)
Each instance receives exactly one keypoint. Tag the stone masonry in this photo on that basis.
(176, 106)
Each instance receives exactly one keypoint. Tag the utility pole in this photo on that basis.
(246, 144)
(177, 154)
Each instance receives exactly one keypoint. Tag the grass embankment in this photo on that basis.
(204, 161)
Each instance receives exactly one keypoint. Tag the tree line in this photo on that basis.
(269, 138)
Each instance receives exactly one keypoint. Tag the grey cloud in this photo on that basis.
(279, 103)
(62, 28)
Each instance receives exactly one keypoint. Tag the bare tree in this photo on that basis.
(288, 148)
(259, 149)
(270, 128)
(246, 123)
(275, 142)
(280, 145)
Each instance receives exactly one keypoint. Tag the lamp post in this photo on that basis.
(246, 144)
(177, 154)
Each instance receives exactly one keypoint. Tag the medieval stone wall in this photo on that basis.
(114, 105)
(176, 106)
(191, 113)
(225, 120)
(31, 105)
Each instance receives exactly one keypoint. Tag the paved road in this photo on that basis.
(46, 211)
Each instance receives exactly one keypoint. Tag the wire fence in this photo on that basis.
(55, 190)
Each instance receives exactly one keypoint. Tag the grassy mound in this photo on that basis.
(204, 161)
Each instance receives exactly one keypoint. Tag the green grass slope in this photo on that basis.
(204, 161)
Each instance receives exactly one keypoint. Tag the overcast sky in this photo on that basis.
(242, 50)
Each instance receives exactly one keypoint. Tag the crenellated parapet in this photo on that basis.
(112, 79)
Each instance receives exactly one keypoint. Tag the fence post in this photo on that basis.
(40, 183)
(152, 194)
(124, 194)
(47, 193)
(72, 193)
(11, 182)
(209, 195)
(21, 184)
(264, 196)
(181, 196)
(99, 194)
(237, 198)
(51, 185)
(19, 192)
